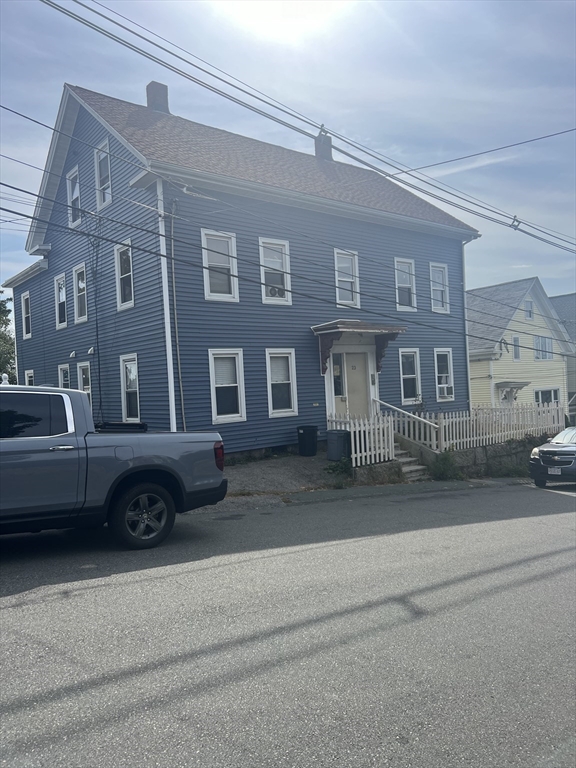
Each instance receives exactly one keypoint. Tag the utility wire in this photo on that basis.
(243, 278)
(190, 244)
(515, 224)
(270, 101)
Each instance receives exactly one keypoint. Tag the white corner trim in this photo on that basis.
(166, 307)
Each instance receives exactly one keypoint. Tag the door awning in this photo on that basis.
(333, 331)
(511, 384)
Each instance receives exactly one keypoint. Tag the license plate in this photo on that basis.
(554, 471)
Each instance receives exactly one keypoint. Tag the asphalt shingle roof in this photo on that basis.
(495, 306)
(170, 139)
(565, 307)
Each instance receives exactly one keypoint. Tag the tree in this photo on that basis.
(7, 346)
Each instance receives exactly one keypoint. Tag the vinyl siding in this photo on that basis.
(254, 326)
(138, 330)
(480, 382)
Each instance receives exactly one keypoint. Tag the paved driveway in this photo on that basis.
(429, 630)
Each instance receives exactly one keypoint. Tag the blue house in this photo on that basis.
(188, 277)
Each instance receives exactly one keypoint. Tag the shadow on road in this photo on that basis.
(62, 557)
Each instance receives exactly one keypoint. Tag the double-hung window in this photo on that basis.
(227, 385)
(80, 301)
(130, 394)
(84, 380)
(444, 374)
(124, 280)
(547, 396)
(64, 376)
(26, 316)
(516, 347)
(103, 180)
(220, 266)
(529, 309)
(73, 188)
(405, 285)
(347, 281)
(60, 298)
(281, 376)
(410, 376)
(439, 288)
(543, 348)
(29, 378)
(275, 271)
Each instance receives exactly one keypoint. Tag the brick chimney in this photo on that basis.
(157, 97)
(323, 145)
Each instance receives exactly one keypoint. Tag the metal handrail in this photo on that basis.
(412, 416)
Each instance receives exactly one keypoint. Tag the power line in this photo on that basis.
(515, 224)
(243, 278)
(189, 244)
(231, 205)
(276, 104)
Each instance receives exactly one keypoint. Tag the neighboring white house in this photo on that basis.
(518, 347)
(565, 306)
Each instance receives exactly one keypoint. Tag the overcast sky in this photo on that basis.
(421, 82)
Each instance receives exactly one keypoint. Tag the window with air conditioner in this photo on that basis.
(444, 374)
(275, 271)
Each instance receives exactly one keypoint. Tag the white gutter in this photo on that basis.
(26, 274)
(166, 307)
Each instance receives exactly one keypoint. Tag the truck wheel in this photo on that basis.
(143, 516)
(540, 482)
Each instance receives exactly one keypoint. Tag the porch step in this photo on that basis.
(412, 471)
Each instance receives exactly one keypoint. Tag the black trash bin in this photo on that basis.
(338, 444)
(307, 441)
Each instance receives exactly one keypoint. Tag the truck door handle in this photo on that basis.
(62, 448)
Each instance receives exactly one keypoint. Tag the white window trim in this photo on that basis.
(79, 377)
(77, 269)
(549, 352)
(26, 295)
(239, 355)
(105, 145)
(418, 398)
(550, 388)
(123, 360)
(451, 357)
(117, 248)
(28, 373)
(356, 289)
(291, 354)
(61, 368)
(69, 175)
(287, 299)
(530, 319)
(56, 280)
(234, 296)
(399, 307)
(514, 347)
(437, 265)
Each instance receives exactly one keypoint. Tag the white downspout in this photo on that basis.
(166, 306)
(466, 329)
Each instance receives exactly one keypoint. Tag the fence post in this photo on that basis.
(440, 423)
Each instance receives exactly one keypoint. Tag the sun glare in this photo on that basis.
(286, 21)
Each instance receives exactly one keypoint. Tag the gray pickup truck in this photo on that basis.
(58, 471)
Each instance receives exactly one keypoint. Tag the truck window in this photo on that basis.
(31, 415)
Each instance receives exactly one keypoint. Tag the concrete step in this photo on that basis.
(415, 472)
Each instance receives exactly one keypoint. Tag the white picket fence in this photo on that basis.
(483, 425)
(372, 439)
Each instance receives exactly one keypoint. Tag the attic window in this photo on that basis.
(103, 182)
(73, 187)
(529, 310)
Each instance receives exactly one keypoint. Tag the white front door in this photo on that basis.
(352, 384)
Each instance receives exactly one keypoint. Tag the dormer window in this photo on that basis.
(103, 181)
(73, 187)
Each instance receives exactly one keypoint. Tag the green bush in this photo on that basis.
(444, 467)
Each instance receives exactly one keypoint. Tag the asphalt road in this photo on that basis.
(428, 630)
